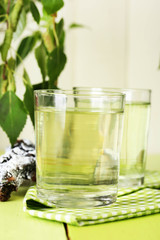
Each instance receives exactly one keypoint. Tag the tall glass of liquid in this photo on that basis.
(78, 140)
(135, 133)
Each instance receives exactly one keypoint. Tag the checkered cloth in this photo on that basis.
(131, 202)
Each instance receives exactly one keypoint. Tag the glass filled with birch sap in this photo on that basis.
(78, 140)
(135, 133)
(135, 137)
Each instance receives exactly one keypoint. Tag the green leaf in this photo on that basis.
(25, 47)
(40, 54)
(48, 41)
(2, 11)
(10, 75)
(26, 5)
(159, 64)
(59, 27)
(6, 43)
(45, 17)
(43, 85)
(11, 63)
(56, 62)
(77, 25)
(28, 96)
(60, 32)
(21, 25)
(52, 6)
(12, 115)
(1, 80)
(35, 12)
(15, 14)
(62, 39)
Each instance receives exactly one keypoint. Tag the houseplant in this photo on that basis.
(48, 44)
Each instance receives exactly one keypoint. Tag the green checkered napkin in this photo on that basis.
(131, 202)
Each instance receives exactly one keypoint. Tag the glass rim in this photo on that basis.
(114, 88)
(71, 93)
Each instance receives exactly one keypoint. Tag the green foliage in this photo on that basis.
(11, 63)
(15, 13)
(42, 85)
(10, 76)
(25, 47)
(29, 96)
(56, 62)
(48, 46)
(12, 115)
(40, 54)
(3, 82)
(1, 79)
(60, 32)
(6, 43)
(26, 5)
(2, 10)
(48, 40)
(52, 6)
(35, 12)
(76, 25)
(20, 25)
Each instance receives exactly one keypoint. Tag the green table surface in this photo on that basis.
(142, 228)
(17, 225)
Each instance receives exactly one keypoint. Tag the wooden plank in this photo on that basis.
(17, 225)
(133, 229)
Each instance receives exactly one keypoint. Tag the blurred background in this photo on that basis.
(118, 47)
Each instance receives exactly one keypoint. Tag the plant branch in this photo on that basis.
(8, 10)
(18, 56)
(55, 36)
(4, 71)
(8, 6)
(54, 30)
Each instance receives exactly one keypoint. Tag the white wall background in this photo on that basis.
(120, 48)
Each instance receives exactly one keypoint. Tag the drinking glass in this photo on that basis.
(135, 133)
(77, 147)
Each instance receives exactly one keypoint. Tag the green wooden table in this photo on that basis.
(142, 228)
(17, 225)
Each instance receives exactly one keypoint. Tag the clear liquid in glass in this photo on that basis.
(77, 156)
(134, 144)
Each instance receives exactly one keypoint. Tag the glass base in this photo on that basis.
(75, 199)
(131, 181)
